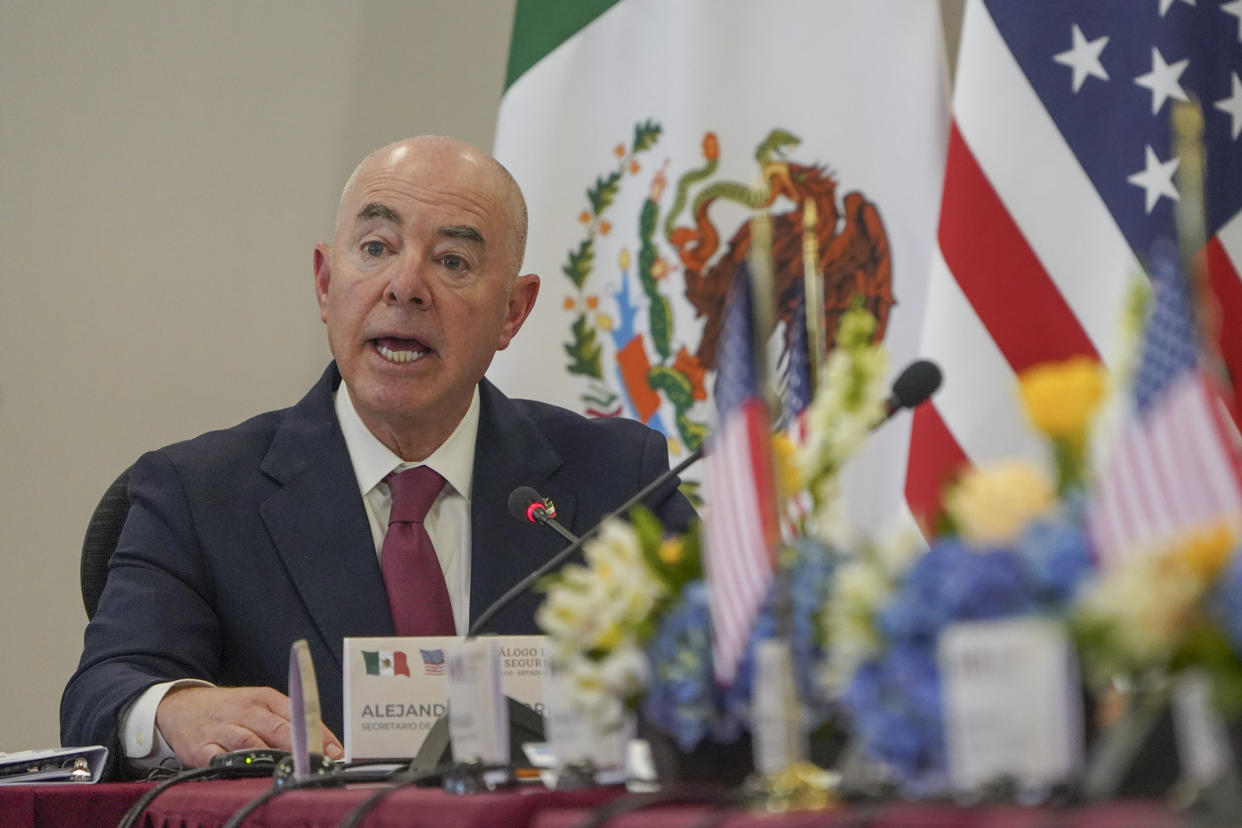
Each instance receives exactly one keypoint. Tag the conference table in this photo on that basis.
(211, 803)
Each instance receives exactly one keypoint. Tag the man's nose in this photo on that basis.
(407, 283)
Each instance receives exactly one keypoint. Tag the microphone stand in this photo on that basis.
(560, 557)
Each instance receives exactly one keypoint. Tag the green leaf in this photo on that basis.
(584, 352)
(604, 192)
(645, 136)
(580, 262)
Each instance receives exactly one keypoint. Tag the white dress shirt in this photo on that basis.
(447, 523)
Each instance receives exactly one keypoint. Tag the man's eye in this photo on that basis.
(453, 262)
(374, 249)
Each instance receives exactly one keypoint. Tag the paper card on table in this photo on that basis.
(478, 715)
(1199, 730)
(574, 736)
(1011, 701)
(396, 688)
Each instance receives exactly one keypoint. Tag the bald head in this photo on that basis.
(413, 159)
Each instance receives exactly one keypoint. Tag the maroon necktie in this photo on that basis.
(416, 592)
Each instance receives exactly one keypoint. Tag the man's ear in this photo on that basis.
(323, 275)
(522, 297)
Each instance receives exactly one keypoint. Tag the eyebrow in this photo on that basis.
(375, 209)
(462, 231)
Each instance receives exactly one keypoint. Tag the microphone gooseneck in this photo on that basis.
(577, 542)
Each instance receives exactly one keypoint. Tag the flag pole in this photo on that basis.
(1186, 122)
(813, 303)
(778, 734)
(763, 322)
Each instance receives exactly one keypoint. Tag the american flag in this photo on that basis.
(797, 398)
(1059, 178)
(433, 662)
(741, 521)
(1173, 466)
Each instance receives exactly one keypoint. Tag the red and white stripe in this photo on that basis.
(1031, 267)
(1176, 468)
(740, 534)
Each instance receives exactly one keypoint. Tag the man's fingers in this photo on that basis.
(332, 747)
(194, 719)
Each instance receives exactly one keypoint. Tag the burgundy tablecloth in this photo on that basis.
(67, 804)
(210, 804)
(1111, 815)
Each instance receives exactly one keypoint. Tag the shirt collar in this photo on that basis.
(372, 460)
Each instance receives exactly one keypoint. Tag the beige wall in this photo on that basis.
(166, 166)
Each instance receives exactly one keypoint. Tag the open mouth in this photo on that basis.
(400, 351)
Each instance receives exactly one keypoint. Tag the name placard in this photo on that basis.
(1012, 705)
(396, 688)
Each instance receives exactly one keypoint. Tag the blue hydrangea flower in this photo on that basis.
(952, 582)
(894, 701)
(1226, 602)
(810, 587)
(1058, 558)
(681, 699)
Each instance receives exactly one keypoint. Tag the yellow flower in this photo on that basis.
(785, 460)
(1060, 397)
(671, 550)
(991, 505)
(1206, 551)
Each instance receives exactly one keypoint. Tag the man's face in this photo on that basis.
(419, 288)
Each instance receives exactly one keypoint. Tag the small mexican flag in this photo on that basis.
(385, 663)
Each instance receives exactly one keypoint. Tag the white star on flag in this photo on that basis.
(1083, 57)
(1156, 179)
(1162, 80)
(1165, 5)
(1232, 106)
(1235, 8)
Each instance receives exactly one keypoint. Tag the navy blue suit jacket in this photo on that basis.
(241, 541)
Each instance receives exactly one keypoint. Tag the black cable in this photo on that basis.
(253, 805)
(196, 774)
(354, 818)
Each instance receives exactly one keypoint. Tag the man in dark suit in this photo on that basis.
(241, 541)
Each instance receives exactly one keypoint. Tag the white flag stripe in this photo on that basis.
(1222, 485)
(1082, 249)
(987, 426)
(738, 581)
(1172, 447)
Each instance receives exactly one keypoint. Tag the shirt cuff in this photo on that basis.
(142, 741)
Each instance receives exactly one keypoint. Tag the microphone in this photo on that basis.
(913, 386)
(520, 501)
(527, 504)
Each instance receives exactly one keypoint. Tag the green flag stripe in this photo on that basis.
(539, 26)
(370, 659)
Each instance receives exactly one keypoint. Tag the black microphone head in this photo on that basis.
(915, 384)
(520, 500)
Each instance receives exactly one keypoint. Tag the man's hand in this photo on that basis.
(201, 722)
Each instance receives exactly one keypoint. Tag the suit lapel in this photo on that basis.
(318, 523)
(510, 452)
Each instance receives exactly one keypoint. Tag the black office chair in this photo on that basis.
(102, 533)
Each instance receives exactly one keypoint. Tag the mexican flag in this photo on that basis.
(645, 135)
(385, 663)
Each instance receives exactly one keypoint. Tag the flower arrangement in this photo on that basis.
(632, 624)
(1007, 546)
